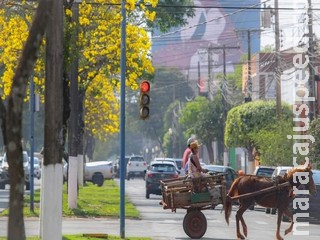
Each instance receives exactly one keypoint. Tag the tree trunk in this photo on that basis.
(51, 191)
(210, 152)
(14, 149)
(73, 122)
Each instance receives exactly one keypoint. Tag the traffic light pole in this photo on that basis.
(122, 119)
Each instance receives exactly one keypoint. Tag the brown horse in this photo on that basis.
(279, 197)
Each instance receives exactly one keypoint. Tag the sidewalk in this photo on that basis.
(133, 228)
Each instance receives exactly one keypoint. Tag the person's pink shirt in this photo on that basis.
(185, 157)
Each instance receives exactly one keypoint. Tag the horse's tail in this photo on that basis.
(233, 191)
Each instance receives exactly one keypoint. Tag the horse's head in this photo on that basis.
(302, 176)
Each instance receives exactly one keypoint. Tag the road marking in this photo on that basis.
(261, 222)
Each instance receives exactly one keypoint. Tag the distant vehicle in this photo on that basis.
(281, 171)
(136, 167)
(229, 172)
(179, 163)
(65, 170)
(314, 202)
(3, 179)
(116, 166)
(159, 170)
(26, 167)
(97, 172)
(173, 160)
(36, 167)
(264, 171)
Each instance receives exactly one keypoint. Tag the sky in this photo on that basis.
(291, 24)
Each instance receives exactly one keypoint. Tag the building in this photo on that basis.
(211, 44)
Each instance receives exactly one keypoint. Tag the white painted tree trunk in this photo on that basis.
(51, 202)
(80, 170)
(72, 182)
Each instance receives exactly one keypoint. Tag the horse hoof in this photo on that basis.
(241, 237)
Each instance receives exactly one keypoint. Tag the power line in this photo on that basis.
(205, 22)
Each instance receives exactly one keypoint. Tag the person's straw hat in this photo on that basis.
(195, 144)
(190, 140)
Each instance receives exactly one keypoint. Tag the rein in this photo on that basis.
(262, 191)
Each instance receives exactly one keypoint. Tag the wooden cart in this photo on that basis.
(194, 196)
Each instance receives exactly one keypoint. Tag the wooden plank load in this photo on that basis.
(203, 193)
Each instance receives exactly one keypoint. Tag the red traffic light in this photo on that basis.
(145, 86)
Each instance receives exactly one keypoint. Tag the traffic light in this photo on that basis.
(144, 99)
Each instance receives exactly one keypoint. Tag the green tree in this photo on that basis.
(174, 141)
(171, 14)
(248, 118)
(205, 119)
(275, 148)
(314, 154)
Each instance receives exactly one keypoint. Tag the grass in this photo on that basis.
(93, 201)
(88, 237)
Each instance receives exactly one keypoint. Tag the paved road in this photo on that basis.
(162, 224)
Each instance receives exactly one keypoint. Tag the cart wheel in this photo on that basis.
(195, 224)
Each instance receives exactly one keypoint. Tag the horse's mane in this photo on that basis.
(289, 174)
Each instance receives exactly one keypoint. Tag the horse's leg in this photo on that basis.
(280, 213)
(289, 215)
(243, 223)
(239, 217)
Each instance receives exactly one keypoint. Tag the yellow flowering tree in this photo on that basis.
(98, 52)
(99, 66)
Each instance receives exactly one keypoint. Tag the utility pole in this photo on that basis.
(248, 96)
(313, 111)
(224, 103)
(277, 59)
(209, 71)
(210, 50)
(249, 84)
(123, 57)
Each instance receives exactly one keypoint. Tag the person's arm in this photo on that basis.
(198, 165)
(197, 162)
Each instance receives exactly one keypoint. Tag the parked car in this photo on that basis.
(314, 202)
(97, 172)
(36, 167)
(178, 163)
(3, 179)
(26, 167)
(264, 171)
(159, 170)
(65, 170)
(136, 167)
(229, 172)
(279, 171)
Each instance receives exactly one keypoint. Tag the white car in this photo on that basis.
(136, 167)
(97, 172)
(36, 168)
(281, 171)
(26, 168)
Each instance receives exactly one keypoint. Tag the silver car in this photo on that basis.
(26, 167)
